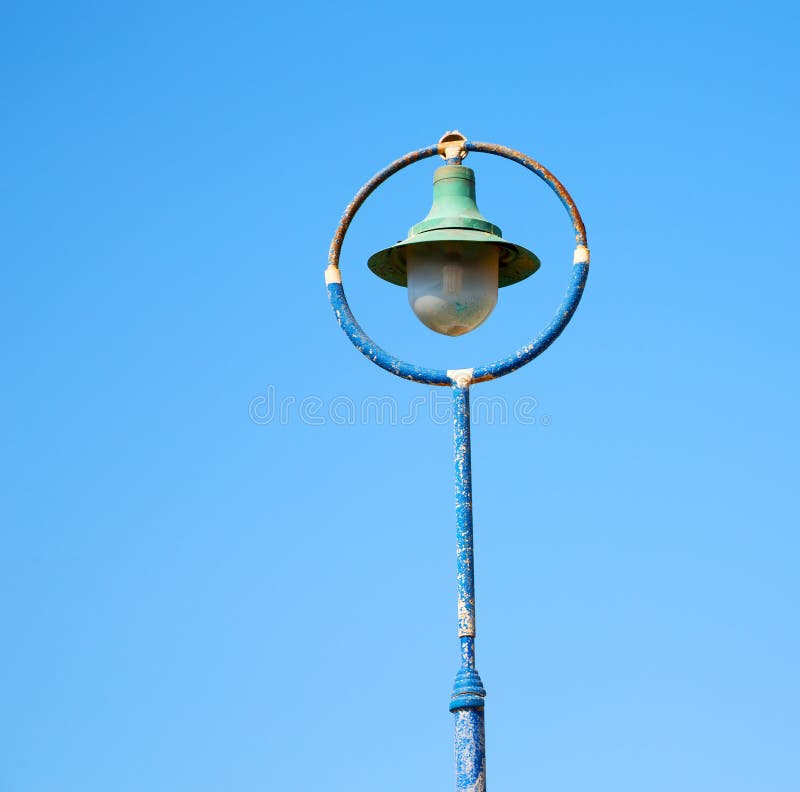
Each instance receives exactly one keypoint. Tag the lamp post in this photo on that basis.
(453, 263)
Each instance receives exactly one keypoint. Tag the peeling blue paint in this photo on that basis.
(364, 344)
(463, 478)
(470, 751)
(553, 330)
(467, 699)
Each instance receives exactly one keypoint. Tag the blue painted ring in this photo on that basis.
(499, 368)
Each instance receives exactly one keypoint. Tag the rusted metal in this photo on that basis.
(452, 147)
(536, 167)
(364, 193)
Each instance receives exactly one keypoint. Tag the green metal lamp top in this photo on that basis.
(455, 217)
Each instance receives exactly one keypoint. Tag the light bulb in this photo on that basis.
(452, 286)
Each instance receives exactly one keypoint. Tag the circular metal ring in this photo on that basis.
(499, 368)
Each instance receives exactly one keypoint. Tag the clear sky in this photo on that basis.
(198, 597)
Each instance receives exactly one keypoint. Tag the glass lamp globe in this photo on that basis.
(452, 287)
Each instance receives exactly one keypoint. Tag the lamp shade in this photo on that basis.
(454, 219)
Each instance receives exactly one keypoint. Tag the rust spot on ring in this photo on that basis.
(543, 173)
(365, 192)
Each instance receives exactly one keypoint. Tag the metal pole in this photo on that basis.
(468, 693)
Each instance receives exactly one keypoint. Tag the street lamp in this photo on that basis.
(453, 263)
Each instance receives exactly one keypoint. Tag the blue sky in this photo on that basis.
(196, 600)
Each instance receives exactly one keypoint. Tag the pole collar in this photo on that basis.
(461, 377)
(468, 690)
(332, 275)
(581, 255)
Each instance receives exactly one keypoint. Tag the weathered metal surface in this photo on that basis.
(452, 147)
(532, 165)
(364, 193)
(498, 368)
(467, 699)
(550, 333)
(460, 377)
(470, 750)
(364, 344)
(464, 551)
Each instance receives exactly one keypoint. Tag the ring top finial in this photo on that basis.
(452, 146)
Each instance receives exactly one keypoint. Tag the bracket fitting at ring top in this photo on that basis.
(452, 147)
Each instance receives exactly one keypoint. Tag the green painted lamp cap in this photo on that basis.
(455, 217)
